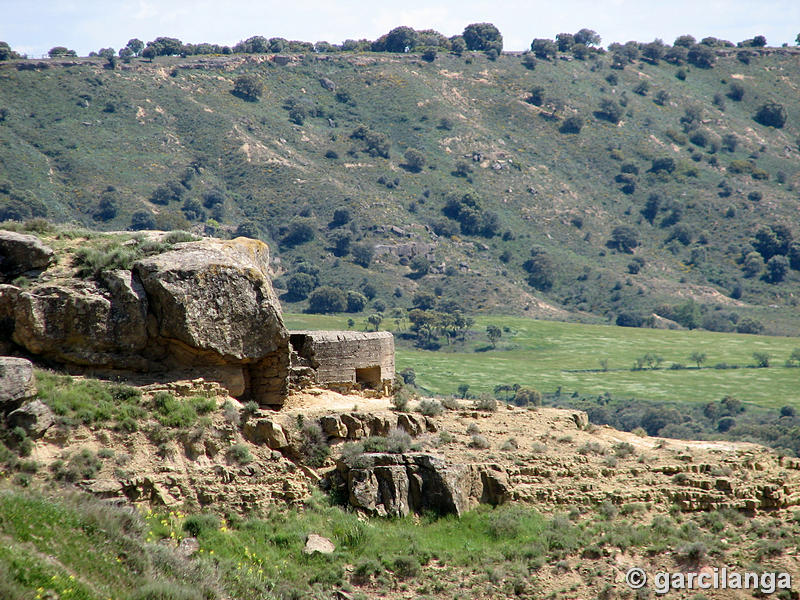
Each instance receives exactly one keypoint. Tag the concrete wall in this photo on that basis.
(347, 358)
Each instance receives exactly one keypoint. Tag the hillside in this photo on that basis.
(171, 491)
(511, 213)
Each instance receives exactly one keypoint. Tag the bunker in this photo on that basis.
(342, 360)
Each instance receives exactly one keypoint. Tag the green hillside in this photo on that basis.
(513, 214)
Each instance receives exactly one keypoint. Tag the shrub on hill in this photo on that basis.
(771, 114)
(483, 36)
(248, 87)
(327, 299)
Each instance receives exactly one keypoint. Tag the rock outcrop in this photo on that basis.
(21, 253)
(17, 382)
(203, 308)
(35, 417)
(398, 484)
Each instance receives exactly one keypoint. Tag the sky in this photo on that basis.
(32, 27)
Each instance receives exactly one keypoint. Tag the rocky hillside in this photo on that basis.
(583, 187)
(197, 462)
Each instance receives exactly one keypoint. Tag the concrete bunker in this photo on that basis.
(342, 360)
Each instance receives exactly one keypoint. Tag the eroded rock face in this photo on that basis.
(35, 417)
(398, 484)
(83, 323)
(215, 296)
(21, 253)
(205, 307)
(17, 382)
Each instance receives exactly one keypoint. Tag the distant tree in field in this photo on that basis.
(483, 36)
(136, 46)
(429, 55)
(125, 54)
(565, 42)
(777, 267)
(536, 97)
(397, 40)
(541, 270)
(166, 46)
(362, 254)
(588, 37)
(341, 243)
(654, 51)
(758, 42)
(142, 219)
(415, 160)
(624, 238)
(248, 87)
(106, 52)
(298, 232)
(341, 216)
(676, 55)
(687, 41)
(356, 301)
(327, 299)
(463, 389)
(753, 264)
(375, 320)
(797, 39)
(493, 333)
(701, 56)
(299, 286)
(543, 48)
(736, 91)
(666, 163)
(771, 114)
(762, 359)
(6, 53)
(60, 51)
(698, 357)
(527, 397)
(420, 266)
(149, 53)
(457, 45)
(610, 110)
(572, 124)
(771, 240)
(529, 61)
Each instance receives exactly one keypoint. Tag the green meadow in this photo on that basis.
(547, 355)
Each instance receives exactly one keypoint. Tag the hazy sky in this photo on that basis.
(34, 26)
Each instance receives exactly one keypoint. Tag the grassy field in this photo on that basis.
(547, 355)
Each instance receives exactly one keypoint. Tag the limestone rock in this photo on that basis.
(20, 253)
(355, 426)
(317, 543)
(82, 323)
(581, 419)
(215, 296)
(398, 484)
(411, 424)
(265, 431)
(17, 382)
(333, 427)
(35, 417)
(205, 306)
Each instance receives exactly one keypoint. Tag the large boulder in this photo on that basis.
(17, 382)
(35, 417)
(21, 253)
(265, 431)
(202, 308)
(83, 322)
(215, 296)
(398, 484)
